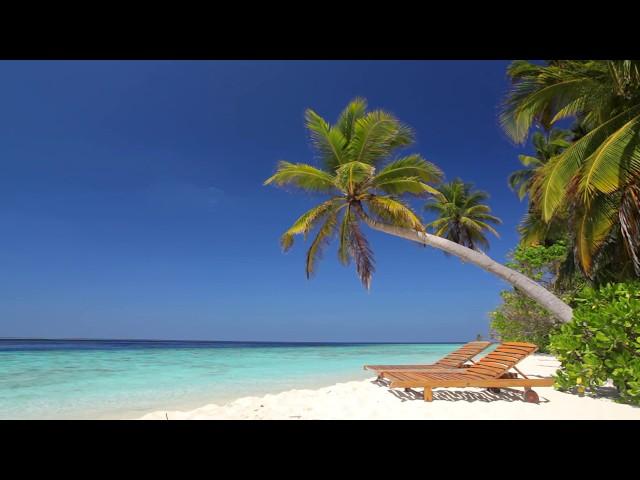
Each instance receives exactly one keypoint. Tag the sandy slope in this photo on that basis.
(369, 400)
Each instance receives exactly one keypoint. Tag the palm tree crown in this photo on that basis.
(463, 218)
(362, 180)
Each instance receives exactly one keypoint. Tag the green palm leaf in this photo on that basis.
(329, 142)
(350, 115)
(322, 239)
(307, 221)
(615, 162)
(302, 176)
(410, 166)
(352, 174)
(594, 223)
(362, 255)
(394, 211)
(344, 252)
(555, 176)
(517, 120)
(399, 186)
(376, 135)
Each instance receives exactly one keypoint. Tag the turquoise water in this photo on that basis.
(126, 379)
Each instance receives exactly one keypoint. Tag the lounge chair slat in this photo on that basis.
(455, 359)
(513, 350)
(508, 357)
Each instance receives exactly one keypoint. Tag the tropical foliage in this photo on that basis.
(602, 342)
(462, 217)
(594, 183)
(362, 179)
(518, 318)
(546, 147)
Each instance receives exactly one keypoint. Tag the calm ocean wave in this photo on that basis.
(126, 379)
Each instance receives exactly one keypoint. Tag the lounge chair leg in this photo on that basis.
(428, 394)
(530, 396)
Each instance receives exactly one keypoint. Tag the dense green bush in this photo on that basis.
(518, 318)
(602, 341)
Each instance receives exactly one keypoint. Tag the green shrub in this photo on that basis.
(602, 341)
(518, 318)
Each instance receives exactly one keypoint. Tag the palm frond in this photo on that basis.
(302, 176)
(376, 135)
(399, 186)
(394, 211)
(478, 226)
(322, 239)
(410, 166)
(531, 98)
(351, 174)
(305, 223)
(593, 224)
(478, 209)
(362, 255)
(329, 142)
(485, 217)
(550, 186)
(350, 115)
(344, 252)
(615, 162)
(532, 229)
(555, 176)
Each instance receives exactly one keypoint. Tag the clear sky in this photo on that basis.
(132, 205)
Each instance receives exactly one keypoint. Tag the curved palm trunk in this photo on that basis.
(530, 288)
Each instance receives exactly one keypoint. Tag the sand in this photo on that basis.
(366, 399)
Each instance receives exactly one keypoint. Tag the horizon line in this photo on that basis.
(211, 341)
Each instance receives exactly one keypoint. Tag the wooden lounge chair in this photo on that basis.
(491, 371)
(452, 361)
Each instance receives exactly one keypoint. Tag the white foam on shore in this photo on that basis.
(366, 399)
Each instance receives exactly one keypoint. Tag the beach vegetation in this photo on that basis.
(592, 185)
(602, 342)
(518, 318)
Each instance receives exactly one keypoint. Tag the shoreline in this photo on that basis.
(366, 399)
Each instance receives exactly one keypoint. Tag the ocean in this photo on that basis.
(125, 379)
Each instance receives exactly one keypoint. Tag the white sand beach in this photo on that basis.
(367, 399)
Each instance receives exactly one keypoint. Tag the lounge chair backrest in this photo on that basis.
(456, 358)
(501, 360)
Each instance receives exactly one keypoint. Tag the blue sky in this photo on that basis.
(132, 205)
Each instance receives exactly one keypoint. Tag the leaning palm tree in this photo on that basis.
(364, 183)
(598, 176)
(463, 218)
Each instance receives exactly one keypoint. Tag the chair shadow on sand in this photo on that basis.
(506, 394)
